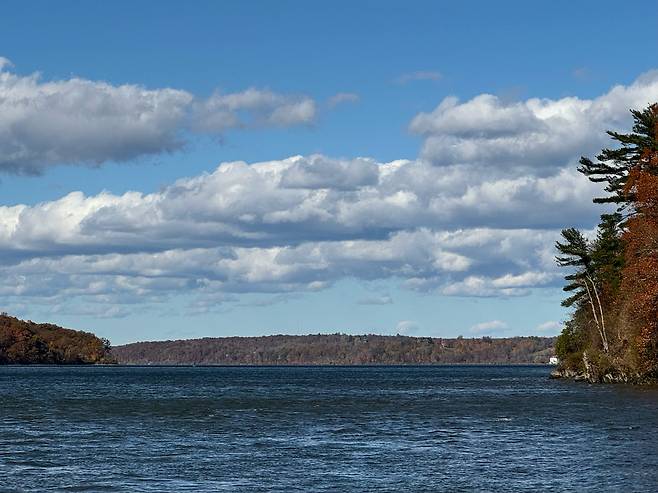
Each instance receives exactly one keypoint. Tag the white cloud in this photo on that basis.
(488, 327)
(251, 108)
(505, 285)
(293, 201)
(533, 136)
(467, 228)
(298, 224)
(84, 122)
(5, 62)
(549, 327)
(317, 172)
(78, 121)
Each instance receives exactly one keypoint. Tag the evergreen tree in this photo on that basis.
(608, 253)
(614, 165)
(577, 253)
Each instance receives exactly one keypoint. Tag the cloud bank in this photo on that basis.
(475, 215)
(297, 224)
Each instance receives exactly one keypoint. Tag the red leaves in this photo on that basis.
(640, 276)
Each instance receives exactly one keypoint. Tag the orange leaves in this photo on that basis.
(640, 275)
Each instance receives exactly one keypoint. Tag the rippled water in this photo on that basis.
(322, 429)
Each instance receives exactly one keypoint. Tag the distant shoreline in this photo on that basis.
(338, 350)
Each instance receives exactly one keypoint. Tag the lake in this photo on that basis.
(320, 429)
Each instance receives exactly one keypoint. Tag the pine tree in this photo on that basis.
(614, 165)
(608, 253)
(577, 252)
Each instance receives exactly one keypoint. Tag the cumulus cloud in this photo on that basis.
(506, 285)
(533, 136)
(252, 108)
(318, 172)
(453, 223)
(299, 200)
(272, 227)
(84, 122)
(298, 224)
(81, 121)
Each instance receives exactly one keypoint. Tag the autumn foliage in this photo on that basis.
(25, 342)
(613, 331)
(640, 276)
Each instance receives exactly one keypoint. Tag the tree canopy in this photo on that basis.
(613, 278)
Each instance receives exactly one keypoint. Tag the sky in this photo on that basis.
(175, 170)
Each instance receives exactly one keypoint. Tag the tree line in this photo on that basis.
(612, 332)
(337, 349)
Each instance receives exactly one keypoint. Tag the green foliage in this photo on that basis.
(570, 344)
(600, 364)
(613, 165)
(575, 253)
(595, 275)
(608, 252)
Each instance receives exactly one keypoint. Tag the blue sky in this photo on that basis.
(489, 104)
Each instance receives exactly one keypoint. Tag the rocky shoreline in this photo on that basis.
(593, 374)
(610, 377)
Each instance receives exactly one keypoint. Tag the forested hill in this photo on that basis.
(26, 342)
(337, 349)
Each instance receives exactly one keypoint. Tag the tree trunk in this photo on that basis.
(596, 318)
(604, 335)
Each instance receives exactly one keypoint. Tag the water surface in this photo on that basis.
(321, 429)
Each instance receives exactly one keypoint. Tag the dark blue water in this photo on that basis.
(322, 429)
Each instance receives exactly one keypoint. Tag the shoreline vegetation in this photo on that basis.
(28, 343)
(612, 333)
(338, 350)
